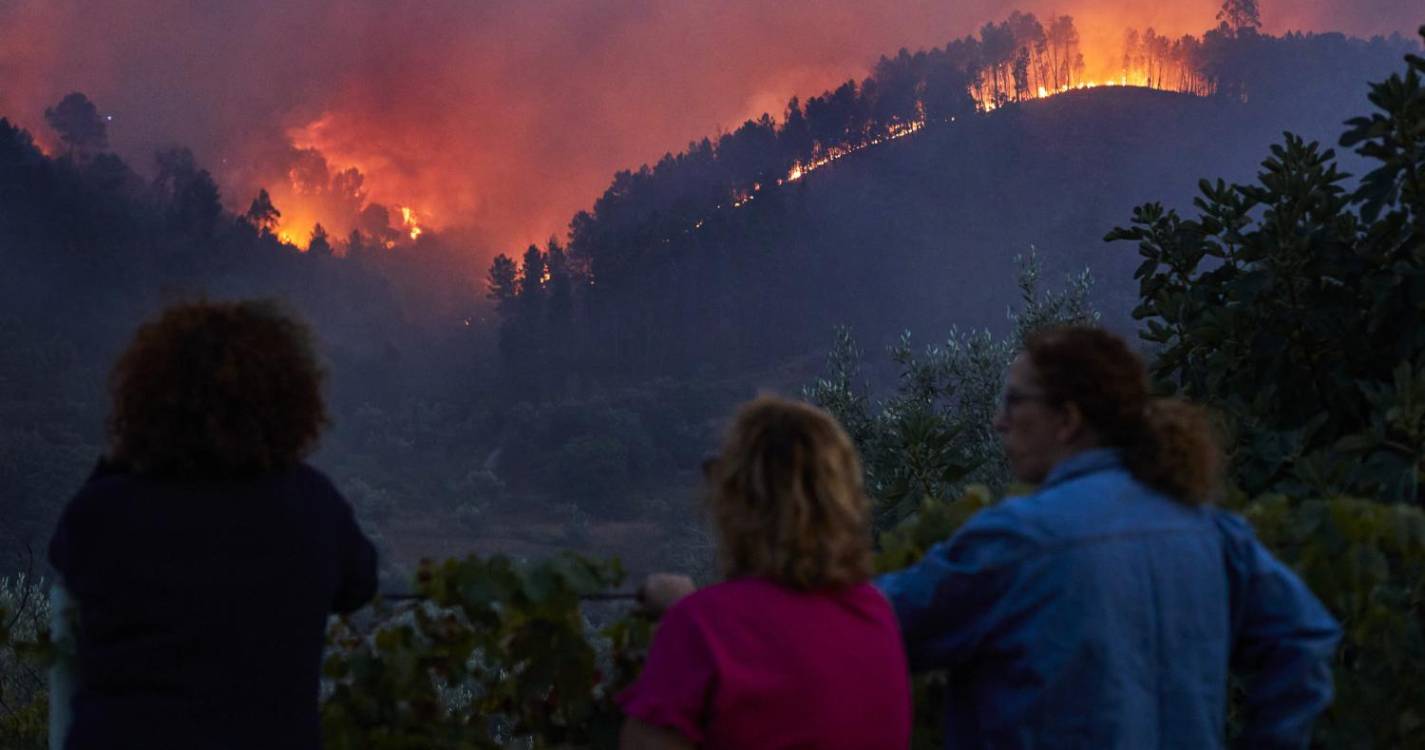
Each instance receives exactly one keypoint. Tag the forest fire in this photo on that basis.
(488, 123)
(344, 173)
(1021, 60)
(320, 193)
(1016, 60)
(325, 215)
(409, 222)
(899, 130)
(313, 204)
(301, 224)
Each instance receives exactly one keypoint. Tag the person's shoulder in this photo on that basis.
(313, 482)
(1014, 520)
(692, 611)
(764, 600)
(735, 595)
(1238, 538)
(302, 488)
(736, 590)
(98, 510)
(1111, 479)
(1092, 503)
(105, 484)
(1231, 524)
(868, 597)
(306, 473)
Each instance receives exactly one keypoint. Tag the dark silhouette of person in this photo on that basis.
(203, 556)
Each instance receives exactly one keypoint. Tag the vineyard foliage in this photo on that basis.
(486, 654)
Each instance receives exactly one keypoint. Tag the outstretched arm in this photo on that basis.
(1283, 642)
(951, 599)
(358, 564)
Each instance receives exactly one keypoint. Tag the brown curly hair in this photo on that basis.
(216, 390)
(1167, 443)
(787, 498)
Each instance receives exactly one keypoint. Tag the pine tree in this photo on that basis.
(262, 215)
(1240, 15)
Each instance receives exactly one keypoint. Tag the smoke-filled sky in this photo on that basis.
(501, 116)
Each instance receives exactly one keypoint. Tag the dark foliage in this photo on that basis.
(1279, 292)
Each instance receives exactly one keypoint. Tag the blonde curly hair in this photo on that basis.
(787, 498)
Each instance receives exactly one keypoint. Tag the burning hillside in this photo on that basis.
(311, 198)
(505, 117)
(1019, 59)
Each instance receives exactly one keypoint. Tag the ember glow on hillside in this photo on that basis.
(1024, 59)
(832, 154)
(500, 118)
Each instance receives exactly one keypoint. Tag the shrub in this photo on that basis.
(24, 699)
(1292, 306)
(934, 435)
(1366, 561)
(493, 653)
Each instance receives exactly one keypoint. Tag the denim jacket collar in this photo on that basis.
(1079, 464)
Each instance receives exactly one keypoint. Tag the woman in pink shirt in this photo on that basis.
(795, 649)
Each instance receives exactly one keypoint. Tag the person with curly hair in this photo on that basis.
(794, 648)
(203, 556)
(1108, 607)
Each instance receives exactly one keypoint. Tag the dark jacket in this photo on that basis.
(202, 606)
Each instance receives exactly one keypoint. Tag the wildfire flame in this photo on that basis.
(827, 156)
(1109, 58)
(299, 220)
(322, 182)
(409, 222)
(1137, 77)
(302, 213)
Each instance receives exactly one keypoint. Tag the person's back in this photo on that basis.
(1117, 627)
(795, 649)
(1099, 613)
(203, 606)
(1107, 609)
(203, 556)
(750, 663)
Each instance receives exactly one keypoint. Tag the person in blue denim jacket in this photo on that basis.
(1107, 609)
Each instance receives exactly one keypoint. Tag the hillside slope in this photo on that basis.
(921, 232)
(946, 211)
